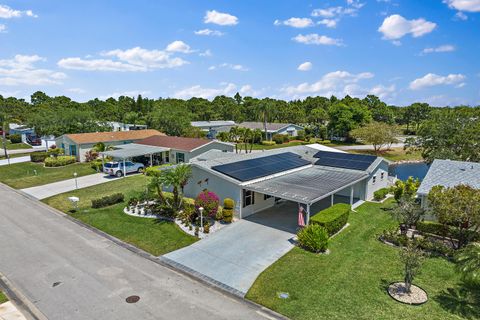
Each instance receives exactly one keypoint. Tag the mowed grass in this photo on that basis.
(393, 154)
(154, 236)
(29, 174)
(3, 297)
(350, 282)
(15, 146)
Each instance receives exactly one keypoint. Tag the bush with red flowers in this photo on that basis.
(209, 201)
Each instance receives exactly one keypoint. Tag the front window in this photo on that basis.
(374, 179)
(248, 198)
(180, 157)
(266, 196)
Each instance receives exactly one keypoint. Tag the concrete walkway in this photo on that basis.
(237, 254)
(8, 311)
(51, 189)
(4, 162)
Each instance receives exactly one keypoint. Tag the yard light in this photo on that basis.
(76, 183)
(201, 217)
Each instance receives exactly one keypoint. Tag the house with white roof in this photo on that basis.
(213, 127)
(311, 175)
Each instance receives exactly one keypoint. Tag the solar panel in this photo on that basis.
(344, 160)
(261, 167)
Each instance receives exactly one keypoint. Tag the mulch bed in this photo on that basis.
(398, 292)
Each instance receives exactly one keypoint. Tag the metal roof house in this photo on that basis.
(449, 173)
(213, 127)
(307, 175)
(289, 129)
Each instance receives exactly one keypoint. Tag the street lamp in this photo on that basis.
(201, 217)
(76, 183)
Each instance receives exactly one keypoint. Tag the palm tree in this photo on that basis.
(102, 147)
(256, 134)
(177, 177)
(468, 261)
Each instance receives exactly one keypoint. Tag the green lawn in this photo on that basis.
(22, 175)
(15, 155)
(15, 146)
(350, 282)
(394, 154)
(155, 237)
(3, 297)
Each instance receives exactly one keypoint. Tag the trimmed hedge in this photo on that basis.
(380, 194)
(107, 200)
(59, 161)
(38, 156)
(439, 229)
(333, 219)
(227, 213)
(268, 143)
(313, 238)
(15, 138)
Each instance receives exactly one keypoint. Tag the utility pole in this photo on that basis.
(4, 138)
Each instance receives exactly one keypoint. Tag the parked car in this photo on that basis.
(34, 140)
(116, 168)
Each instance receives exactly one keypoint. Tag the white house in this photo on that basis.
(308, 175)
(288, 129)
(213, 127)
(119, 126)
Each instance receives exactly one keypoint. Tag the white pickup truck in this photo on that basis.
(116, 168)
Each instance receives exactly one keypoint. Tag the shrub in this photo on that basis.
(280, 138)
(56, 152)
(268, 143)
(209, 201)
(300, 135)
(59, 161)
(91, 155)
(333, 219)
(380, 194)
(38, 156)
(15, 138)
(97, 165)
(442, 230)
(313, 238)
(227, 212)
(228, 203)
(107, 200)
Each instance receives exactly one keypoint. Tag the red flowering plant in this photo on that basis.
(209, 201)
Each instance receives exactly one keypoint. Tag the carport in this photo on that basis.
(309, 186)
(127, 151)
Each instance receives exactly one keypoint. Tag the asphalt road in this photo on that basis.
(70, 272)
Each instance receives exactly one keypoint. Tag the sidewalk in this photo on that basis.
(4, 162)
(8, 311)
(51, 189)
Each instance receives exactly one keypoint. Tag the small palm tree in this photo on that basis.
(412, 258)
(177, 178)
(102, 147)
(468, 262)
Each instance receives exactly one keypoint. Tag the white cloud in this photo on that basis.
(7, 13)
(317, 39)
(247, 90)
(209, 32)
(332, 15)
(134, 59)
(306, 66)
(383, 92)
(236, 67)
(464, 5)
(21, 70)
(132, 93)
(76, 90)
(432, 79)
(395, 27)
(3, 28)
(295, 22)
(178, 46)
(228, 89)
(222, 19)
(461, 16)
(206, 53)
(329, 23)
(442, 48)
(333, 83)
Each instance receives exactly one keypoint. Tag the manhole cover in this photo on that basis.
(132, 299)
(56, 284)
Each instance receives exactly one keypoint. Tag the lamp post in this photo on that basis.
(76, 183)
(201, 217)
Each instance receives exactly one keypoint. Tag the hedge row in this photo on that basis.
(380, 194)
(439, 229)
(38, 156)
(333, 218)
(107, 200)
(59, 161)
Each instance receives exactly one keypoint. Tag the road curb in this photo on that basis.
(211, 283)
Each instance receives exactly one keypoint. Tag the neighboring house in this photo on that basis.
(21, 130)
(449, 173)
(181, 149)
(78, 144)
(213, 127)
(308, 175)
(119, 126)
(288, 129)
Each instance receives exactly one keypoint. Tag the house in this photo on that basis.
(119, 126)
(213, 127)
(308, 175)
(289, 129)
(449, 173)
(23, 131)
(181, 149)
(78, 144)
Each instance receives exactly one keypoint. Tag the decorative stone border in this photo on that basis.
(397, 291)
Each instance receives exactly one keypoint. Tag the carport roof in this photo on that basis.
(133, 150)
(309, 185)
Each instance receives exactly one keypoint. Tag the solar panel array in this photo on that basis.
(344, 160)
(261, 167)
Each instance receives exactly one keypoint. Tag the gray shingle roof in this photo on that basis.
(449, 173)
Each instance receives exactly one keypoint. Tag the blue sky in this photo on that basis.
(402, 51)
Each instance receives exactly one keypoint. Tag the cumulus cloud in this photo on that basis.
(317, 39)
(7, 13)
(21, 70)
(227, 89)
(236, 67)
(332, 15)
(442, 48)
(209, 32)
(333, 83)
(220, 18)
(131, 93)
(134, 59)
(383, 92)
(295, 22)
(464, 5)
(432, 79)
(394, 27)
(329, 23)
(3, 28)
(76, 90)
(306, 66)
(461, 16)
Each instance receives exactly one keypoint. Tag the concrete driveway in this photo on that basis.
(237, 254)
